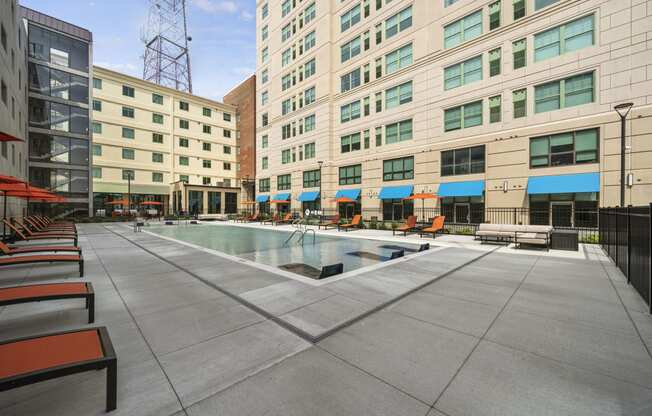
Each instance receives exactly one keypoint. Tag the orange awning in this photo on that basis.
(344, 200)
(422, 196)
(150, 203)
(117, 202)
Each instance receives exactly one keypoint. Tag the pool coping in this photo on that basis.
(295, 276)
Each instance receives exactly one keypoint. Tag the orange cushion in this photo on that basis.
(31, 291)
(33, 259)
(51, 351)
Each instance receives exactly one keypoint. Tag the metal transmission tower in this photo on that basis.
(166, 60)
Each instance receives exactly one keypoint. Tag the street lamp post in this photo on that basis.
(622, 110)
(320, 162)
(129, 194)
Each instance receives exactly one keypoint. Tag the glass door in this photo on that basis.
(462, 213)
(562, 214)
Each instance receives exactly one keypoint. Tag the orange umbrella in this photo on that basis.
(279, 201)
(422, 196)
(248, 202)
(10, 179)
(117, 202)
(151, 203)
(344, 200)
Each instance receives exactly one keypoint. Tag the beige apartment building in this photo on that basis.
(13, 104)
(488, 104)
(159, 144)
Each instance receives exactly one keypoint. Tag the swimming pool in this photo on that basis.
(267, 246)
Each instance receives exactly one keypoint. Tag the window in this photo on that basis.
(350, 143)
(264, 97)
(226, 116)
(494, 15)
(263, 185)
(157, 118)
(461, 117)
(265, 55)
(183, 142)
(286, 32)
(265, 76)
(462, 161)
(379, 33)
(309, 123)
(398, 169)
(184, 124)
(97, 105)
(309, 41)
(379, 136)
(309, 68)
(157, 138)
(286, 7)
(564, 93)
(206, 164)
(128, 174)
(564, 149)
(350, 111)
(570, 37)
(286, 156)
(463, 73)
(309, 96)
(449, 2)
(206, 180)
(379, 102)
(398, 59)
(206, 146)
(207, 112)
(264, 11)
(519, 9)
(184, 178)
(264, 142)
(206, 129)
(184, 106)
(128, 91)
(97, 83)
(286, 82)
(309, 150)
(157, 157)
(398, 23)
(97, 173)
(350, 18)
(401, 94)
(127, 112)
(519, 97)
(309, 13)
(350, 80)
(311, 178)
(283, 182)
(183, 161)
(157, 98)
(286, 57)
(367, 106)
(97, 150)
(351, 175)
(226, 133)
(540, 4)
(350, 49)
(495, 109)
(265, 162)
(460, 31)
(97, 128)
(128, 154)
(226, 150)
(398, 132)
(494, 62)
(286, 131)
(520, 54)
(128, 133)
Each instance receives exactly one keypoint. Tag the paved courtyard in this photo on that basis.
(460, 330)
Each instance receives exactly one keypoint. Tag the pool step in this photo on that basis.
(313, 272)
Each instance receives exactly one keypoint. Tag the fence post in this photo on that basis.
(514, 217)
(629, 241)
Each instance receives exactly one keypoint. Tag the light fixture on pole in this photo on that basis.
(622, 110)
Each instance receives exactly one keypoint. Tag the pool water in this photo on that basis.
(267, 246)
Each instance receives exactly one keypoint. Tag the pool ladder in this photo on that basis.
(302, 234)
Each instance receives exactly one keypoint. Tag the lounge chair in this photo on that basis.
(50, 291)
(45, 236)
(333, 222)
(44, 258)
(410, 225)
(9, 250)
(44, 357)
(38, 227)
(437, 226)
(272, 220)
(287, 219)
(253, 218)
(356, 222)
(28, 231)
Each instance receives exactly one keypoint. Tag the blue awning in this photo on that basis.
(468, 188)
(563, 184)
(395, 192)
(281, 197)
(308, 196)
(348, 193)
(262, 198)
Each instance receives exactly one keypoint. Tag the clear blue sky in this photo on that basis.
(222, 52)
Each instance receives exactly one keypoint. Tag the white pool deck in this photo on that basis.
(464, 329)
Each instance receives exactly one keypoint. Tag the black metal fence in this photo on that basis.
(626, 236)
(460, 218)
